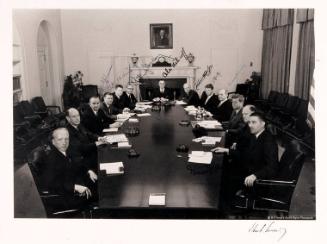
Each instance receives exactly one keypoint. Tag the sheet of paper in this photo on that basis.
(124, 144)
(116, 138)
(143, 103)
(144, 115)
(157, 199)
(133, 120)
(180, 102)
(200, 159)
(110, 130)
(113, 168)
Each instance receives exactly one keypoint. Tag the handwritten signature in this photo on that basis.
(270, 227)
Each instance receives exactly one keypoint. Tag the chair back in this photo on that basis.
(281, 99)
(36, 161)
(39, 104)
(292, 103)
(302, 109)
(272, 96)
(27, 107)
(291, 162)
(18, 114)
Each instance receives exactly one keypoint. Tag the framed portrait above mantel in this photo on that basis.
(161, 36)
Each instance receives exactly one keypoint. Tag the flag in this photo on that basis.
(311, 106)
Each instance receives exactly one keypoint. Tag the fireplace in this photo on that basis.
(148, 85)
(146, 77)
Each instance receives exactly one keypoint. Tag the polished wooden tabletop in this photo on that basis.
(160, 168)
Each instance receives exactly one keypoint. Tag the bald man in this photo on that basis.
(224, 109)
(189, 96)
(63, 175)
(83, 143)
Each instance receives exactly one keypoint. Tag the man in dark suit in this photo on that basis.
(83, 143)
(119, 102)
(235, 123)
(224, 109)
(190, 96)
(162, 91)
(106, 106)
(94, 119)
(130, 99)
(63, 175)
(209, 100)
(257, 159)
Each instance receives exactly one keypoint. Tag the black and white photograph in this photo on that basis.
(214, 122)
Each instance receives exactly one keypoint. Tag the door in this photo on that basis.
(45, 80)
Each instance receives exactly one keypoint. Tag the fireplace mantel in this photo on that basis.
(137, 73)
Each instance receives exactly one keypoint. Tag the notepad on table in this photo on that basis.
(110, 130)
(180, 102)
(143, 115)
(133, 120)
(124, 145)
(113, 168)
(157, 199)
(200, 157)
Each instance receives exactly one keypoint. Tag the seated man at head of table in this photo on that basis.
(189, 96)
(162, 92)
(209, 99)
(94, 118)
(63, 175)
(130, 99)
(83, 143)
(257, 158)
(119, 102)
(235, 123)
(107, 106)
(224, 108)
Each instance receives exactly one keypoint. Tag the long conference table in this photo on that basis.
(192, 190)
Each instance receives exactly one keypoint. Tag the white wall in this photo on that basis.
(227, 39)
(27, 23)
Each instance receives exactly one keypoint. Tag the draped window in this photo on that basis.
(277, 25)
(306, 53)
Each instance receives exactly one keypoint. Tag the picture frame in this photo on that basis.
(161, 36)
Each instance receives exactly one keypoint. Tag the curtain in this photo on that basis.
(306, 54)
(276, 51)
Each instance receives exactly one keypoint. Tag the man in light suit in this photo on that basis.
(235, 123)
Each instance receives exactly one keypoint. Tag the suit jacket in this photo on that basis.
(224, 111)
(109, 111)
(130, 101)
(166, 94)
(192, 98)
(61, 173)
(259, 156)
(236, 123)
(95, 123)
(211, 104)
(119, 103)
